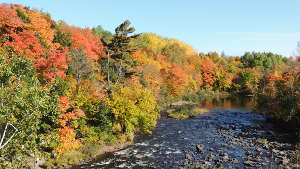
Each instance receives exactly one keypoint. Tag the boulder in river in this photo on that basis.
(188, 156)
(199, 147)
(284, 161)
(225, 157)
(251, 163)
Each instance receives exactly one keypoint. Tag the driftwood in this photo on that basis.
(4, 143)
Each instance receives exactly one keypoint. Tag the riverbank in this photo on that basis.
(85, 154)
(179, 110)
(232, 137)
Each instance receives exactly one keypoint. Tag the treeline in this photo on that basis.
(65, 87)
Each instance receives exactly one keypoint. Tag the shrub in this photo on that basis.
(134, 109)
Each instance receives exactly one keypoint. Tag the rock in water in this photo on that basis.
(199, 147)
(284, 161)
(250, 163)
(188, 157)
(225, 157)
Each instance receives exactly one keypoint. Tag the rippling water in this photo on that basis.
(228, 134)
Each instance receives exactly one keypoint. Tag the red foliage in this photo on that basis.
(9, 17)
(54, 65)
(25, 43)
(85, 39)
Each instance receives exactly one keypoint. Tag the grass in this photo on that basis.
(185, 111)
(262, 141)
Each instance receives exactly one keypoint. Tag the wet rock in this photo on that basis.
(186, 162)
(235, 161)
(210, 158)
(250, 163)
(225, 157)
(247, 153)
(218, 165)
(275, 151)
(258, 149)
(200, 147)
(284, 161)
(188, 157)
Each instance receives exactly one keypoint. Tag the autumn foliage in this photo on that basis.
(82, 85)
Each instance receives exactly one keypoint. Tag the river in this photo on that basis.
(229, 136)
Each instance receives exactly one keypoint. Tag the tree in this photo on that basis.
(174, 53)
(105, 35)
(119, 63)
(266, 60)
(80, 66)
(133, 108)
(208, 72)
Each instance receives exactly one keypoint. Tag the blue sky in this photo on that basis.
(233, 26)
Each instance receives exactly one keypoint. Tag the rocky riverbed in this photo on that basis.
(223, 138)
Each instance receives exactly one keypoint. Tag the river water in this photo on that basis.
(229, 136)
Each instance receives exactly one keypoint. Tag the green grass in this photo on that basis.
(262, 140)
(185, 111)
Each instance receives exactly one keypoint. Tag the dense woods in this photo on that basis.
(64, 87)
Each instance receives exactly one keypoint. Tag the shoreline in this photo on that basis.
(102, 151)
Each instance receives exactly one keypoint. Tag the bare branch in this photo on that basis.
(3, 144)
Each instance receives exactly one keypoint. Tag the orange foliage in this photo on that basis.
(67, 140)
(66, 132)
(176, 78)
(9, 18)
(39, 23)
(85, 39)
(208, 72)
(28, 40)
(64, 103)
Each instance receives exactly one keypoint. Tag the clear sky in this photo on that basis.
(232, 26)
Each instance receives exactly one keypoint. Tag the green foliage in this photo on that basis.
(266, 60)
(134, 109)
(185, 111)
(100, 117)
(105, 35)
(25, 105)
(119, 64)
(247, 81)
(21, 14)
(63, 38)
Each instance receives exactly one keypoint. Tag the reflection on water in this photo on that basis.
(232, 102)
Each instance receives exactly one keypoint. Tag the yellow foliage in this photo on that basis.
(84, 93)
(133, 108)
(156, 43)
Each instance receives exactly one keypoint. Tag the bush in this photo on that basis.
(134, 109)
